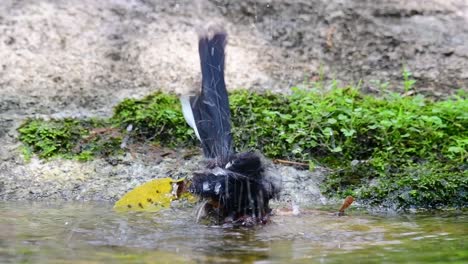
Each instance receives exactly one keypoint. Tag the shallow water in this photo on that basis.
(94, 233)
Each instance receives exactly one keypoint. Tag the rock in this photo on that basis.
(363, 40)
(302, 187)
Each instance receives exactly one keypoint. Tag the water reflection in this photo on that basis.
(90, 232)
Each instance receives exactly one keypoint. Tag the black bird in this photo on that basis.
(236, 187)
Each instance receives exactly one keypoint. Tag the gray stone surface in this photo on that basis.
(368, 41)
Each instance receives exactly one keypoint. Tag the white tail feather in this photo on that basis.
(188, 114)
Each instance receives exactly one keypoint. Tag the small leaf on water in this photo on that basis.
(151, 196)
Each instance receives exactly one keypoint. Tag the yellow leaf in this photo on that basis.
(151, 196)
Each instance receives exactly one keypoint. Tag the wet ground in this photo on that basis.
(94, 233)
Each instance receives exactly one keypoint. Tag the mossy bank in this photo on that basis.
(390, 150)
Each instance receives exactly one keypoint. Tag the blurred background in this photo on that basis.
(82, 57)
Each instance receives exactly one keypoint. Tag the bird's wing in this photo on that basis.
(210, 110)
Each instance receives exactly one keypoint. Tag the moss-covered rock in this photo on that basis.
(157, 117)
(69, 138)
(406, 150)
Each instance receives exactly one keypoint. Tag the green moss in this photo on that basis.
(409, 150)
(428, 185)
(55, 137)
(157, 117)
(68, 138)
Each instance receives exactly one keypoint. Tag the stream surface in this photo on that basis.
(94, 233)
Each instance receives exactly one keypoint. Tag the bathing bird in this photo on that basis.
(234, 187)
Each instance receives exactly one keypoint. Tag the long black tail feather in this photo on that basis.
(211, 108)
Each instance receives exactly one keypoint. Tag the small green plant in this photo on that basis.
(381, 86)
(408, 82)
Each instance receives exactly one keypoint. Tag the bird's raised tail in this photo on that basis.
(210, 116)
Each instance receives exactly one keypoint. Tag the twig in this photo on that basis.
(288, 162)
